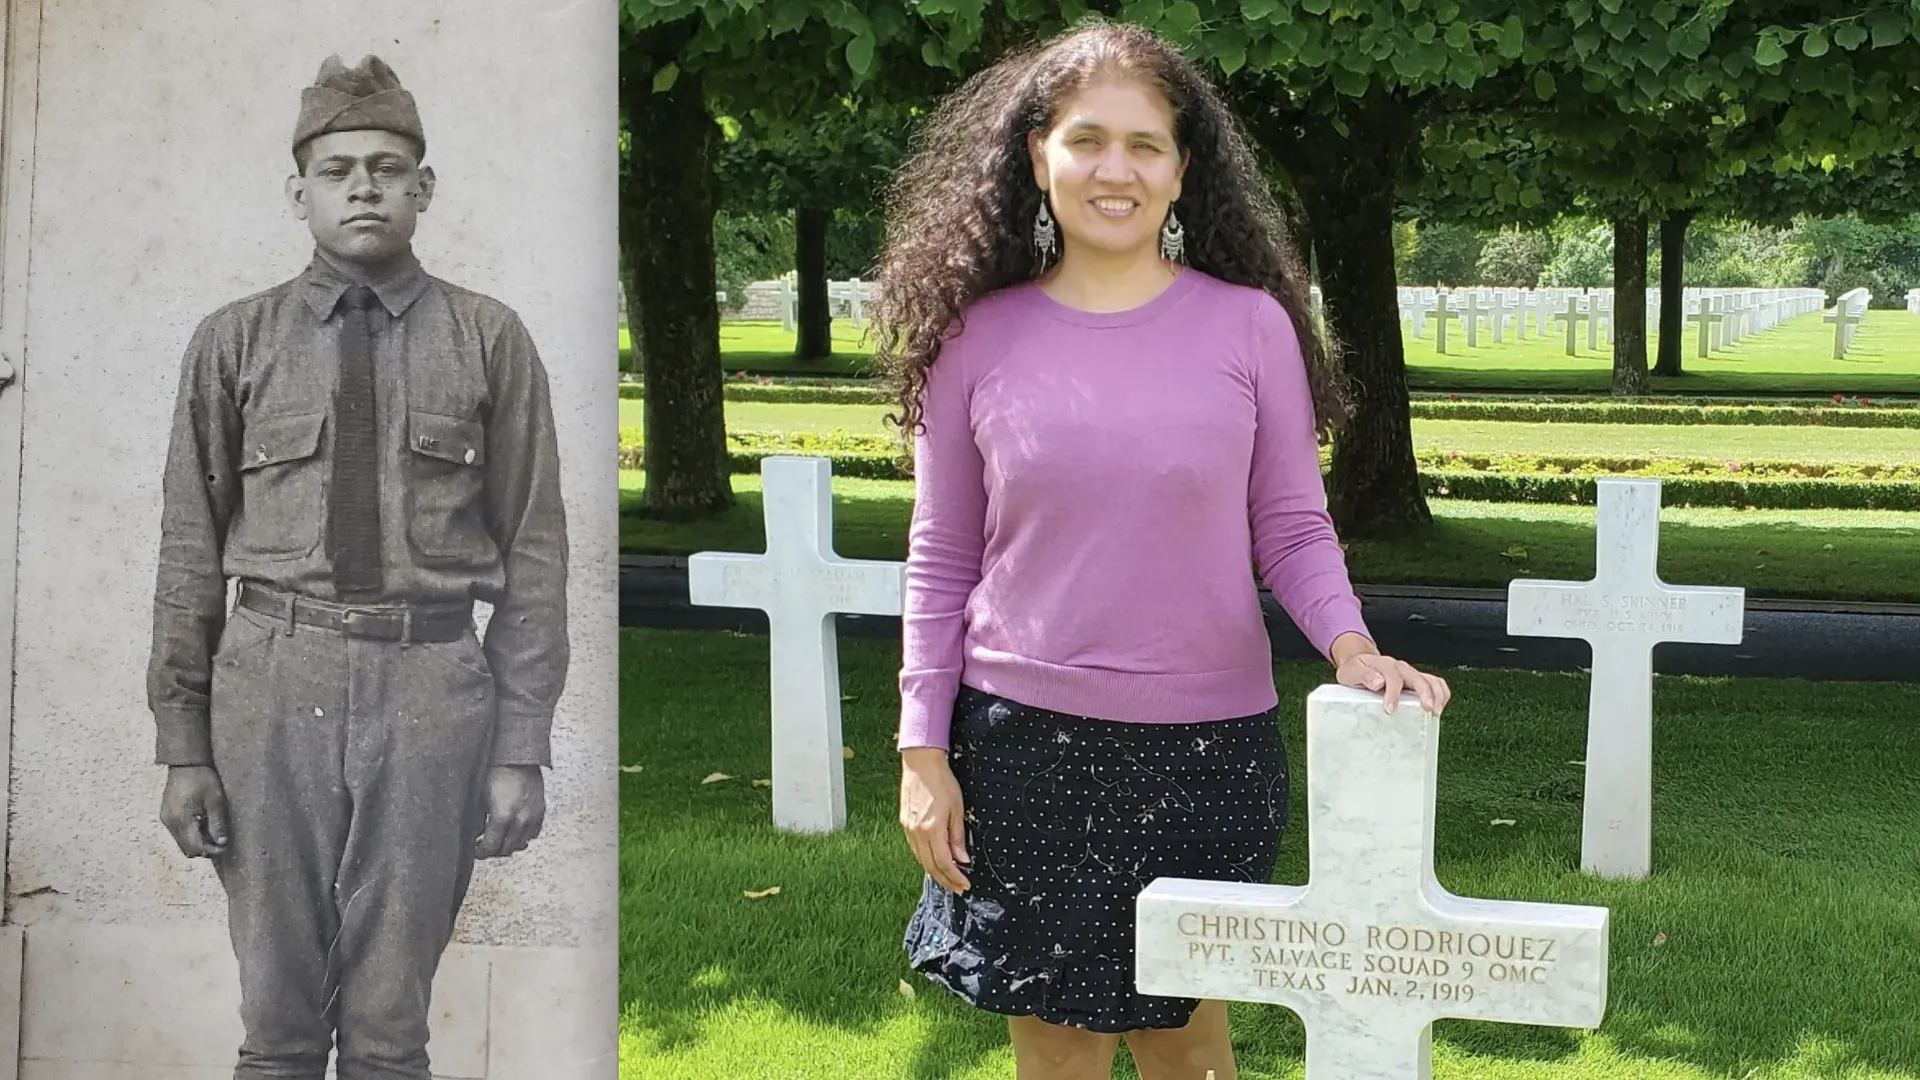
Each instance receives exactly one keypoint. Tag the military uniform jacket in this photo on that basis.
(470, 504)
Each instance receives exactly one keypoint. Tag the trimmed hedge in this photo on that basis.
(1513, 478)
(1665, 468)
(797, 390)
(868, 457)
(1875, 413)
(1603, 412)
(1785, 494)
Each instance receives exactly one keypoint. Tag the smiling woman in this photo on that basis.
(1101, 344)
(1111, 171)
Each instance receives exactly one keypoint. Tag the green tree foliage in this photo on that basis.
(1733, 254)
(853, 249)
(1343, 95)
(1840, 254)
(1341, 98)
(1448, 254)
(1582, 258)
(775, 69)
(1514, 258)
(748, 248)
(839, 162)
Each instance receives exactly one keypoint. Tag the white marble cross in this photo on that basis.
(857, 294)
(789, 297)
(1441, 313)
(1573, 316)
(1623, 612)
(1372, 950)
(800, 583)
(1845, 316)
(1506, 305)
(1471, 314)
(1708, 316)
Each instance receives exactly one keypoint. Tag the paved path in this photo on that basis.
(1465, 628)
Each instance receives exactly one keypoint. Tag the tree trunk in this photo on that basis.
(815, 316)
(1629, 305)
(1347, 184)
(631, 288)
(1673, 282)
(667, 202)
(1299, 229)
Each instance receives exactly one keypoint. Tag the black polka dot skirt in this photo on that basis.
(1068, 818)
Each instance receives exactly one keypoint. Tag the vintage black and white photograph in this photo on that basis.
(305, 426)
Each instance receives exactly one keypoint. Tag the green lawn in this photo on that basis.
(780, 416)
(1775, 940)
(1794, 356)
(1802, 554)
(1715, 443)
(764, 348)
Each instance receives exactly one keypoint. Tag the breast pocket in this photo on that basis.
(281, 485)
(447, 492)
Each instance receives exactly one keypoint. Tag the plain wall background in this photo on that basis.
(162, 151)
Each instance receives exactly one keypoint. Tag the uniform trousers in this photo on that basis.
(354, 772)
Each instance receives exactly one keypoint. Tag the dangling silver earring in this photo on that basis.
(1173, 239)
(1046, 236)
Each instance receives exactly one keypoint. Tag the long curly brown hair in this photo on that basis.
(960, 211)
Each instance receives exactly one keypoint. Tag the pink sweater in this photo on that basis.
(1093, 492)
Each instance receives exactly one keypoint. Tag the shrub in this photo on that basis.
(1680, 491)
(1519, 478)
(1515, 258)
(1820, 412)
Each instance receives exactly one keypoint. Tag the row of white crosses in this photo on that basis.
(1721, 316)
(1530, 312)
(1845, 315)
(1372, 949)
(783, 294)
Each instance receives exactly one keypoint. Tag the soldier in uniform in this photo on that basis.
(365, 451)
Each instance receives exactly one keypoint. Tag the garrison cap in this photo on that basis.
(362, 98)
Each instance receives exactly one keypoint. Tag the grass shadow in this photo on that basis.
(824, 954)
(1776, 933)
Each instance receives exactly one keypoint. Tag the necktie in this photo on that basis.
(354, 511)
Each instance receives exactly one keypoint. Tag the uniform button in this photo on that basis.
(470, 456)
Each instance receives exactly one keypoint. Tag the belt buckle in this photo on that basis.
(350, 621)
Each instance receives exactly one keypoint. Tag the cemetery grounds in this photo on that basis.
(1774, 939)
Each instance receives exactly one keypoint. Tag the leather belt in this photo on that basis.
(381, 622)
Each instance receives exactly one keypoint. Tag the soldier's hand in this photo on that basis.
(516, 808)
(194, 809)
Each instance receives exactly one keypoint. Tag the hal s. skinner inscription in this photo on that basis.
(1623, 613)
(1369, 960)
(838, 589)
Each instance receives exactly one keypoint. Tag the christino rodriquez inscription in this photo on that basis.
(1369, 961)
